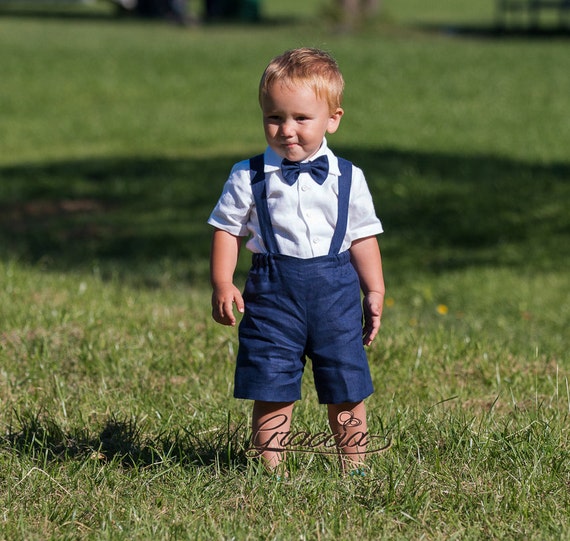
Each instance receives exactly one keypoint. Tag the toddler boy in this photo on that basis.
(310, 223)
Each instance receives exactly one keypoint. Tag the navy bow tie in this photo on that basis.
(318, 169)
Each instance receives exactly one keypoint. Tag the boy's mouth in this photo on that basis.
(289, 145)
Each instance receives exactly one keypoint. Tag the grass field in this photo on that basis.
(117, 417)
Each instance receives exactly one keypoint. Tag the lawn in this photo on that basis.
(117, 417)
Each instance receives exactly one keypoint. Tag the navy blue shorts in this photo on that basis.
(298, 308)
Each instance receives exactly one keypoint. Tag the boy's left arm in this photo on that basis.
(366, 259)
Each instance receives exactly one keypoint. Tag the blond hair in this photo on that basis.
(314, 68)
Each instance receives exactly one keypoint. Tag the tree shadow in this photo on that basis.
(123, 442)
(131, 214)
(443, 211)
(496, 31)
(66, 11)
(80, 12)
(126, 213)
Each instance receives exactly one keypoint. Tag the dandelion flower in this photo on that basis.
(442, 309)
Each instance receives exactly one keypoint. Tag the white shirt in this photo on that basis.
(303, 215)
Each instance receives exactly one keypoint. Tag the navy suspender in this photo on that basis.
(256, 165)
(344, 182)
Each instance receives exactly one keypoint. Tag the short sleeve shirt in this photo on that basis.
(303, 215)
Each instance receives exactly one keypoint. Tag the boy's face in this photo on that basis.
(295, 121)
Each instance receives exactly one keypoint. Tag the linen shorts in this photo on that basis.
(298, 308)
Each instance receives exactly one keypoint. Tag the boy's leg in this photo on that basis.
(348, 424)
(271, 421)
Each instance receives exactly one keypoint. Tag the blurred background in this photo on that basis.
(120, 120)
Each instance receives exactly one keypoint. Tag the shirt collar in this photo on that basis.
(273, 160)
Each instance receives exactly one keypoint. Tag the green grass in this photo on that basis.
(117, 416)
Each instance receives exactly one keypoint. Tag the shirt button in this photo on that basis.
(316, 240)
(304, 187)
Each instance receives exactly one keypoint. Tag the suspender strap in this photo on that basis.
(257, 166)
(344, 184)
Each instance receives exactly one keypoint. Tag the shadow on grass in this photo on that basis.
(82, 12)
(499, 32)
(65, 11)
(439, 211)
(126, 214)
(123, 442)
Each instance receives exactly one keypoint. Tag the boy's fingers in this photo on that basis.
(371, 326)
(239, 304)
(223, 313)
(229, 312)
(223, 306)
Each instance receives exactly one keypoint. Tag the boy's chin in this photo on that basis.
(296, 154)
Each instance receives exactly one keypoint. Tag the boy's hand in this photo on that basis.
(223, 299)
(366, 259)
(372, 308)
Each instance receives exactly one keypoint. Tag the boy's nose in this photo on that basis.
(287, 129)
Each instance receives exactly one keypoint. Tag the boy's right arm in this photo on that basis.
(223, 261)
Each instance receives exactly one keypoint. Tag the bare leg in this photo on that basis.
(270, 422)
(348, 424)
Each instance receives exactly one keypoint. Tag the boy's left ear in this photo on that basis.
(334, 120)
